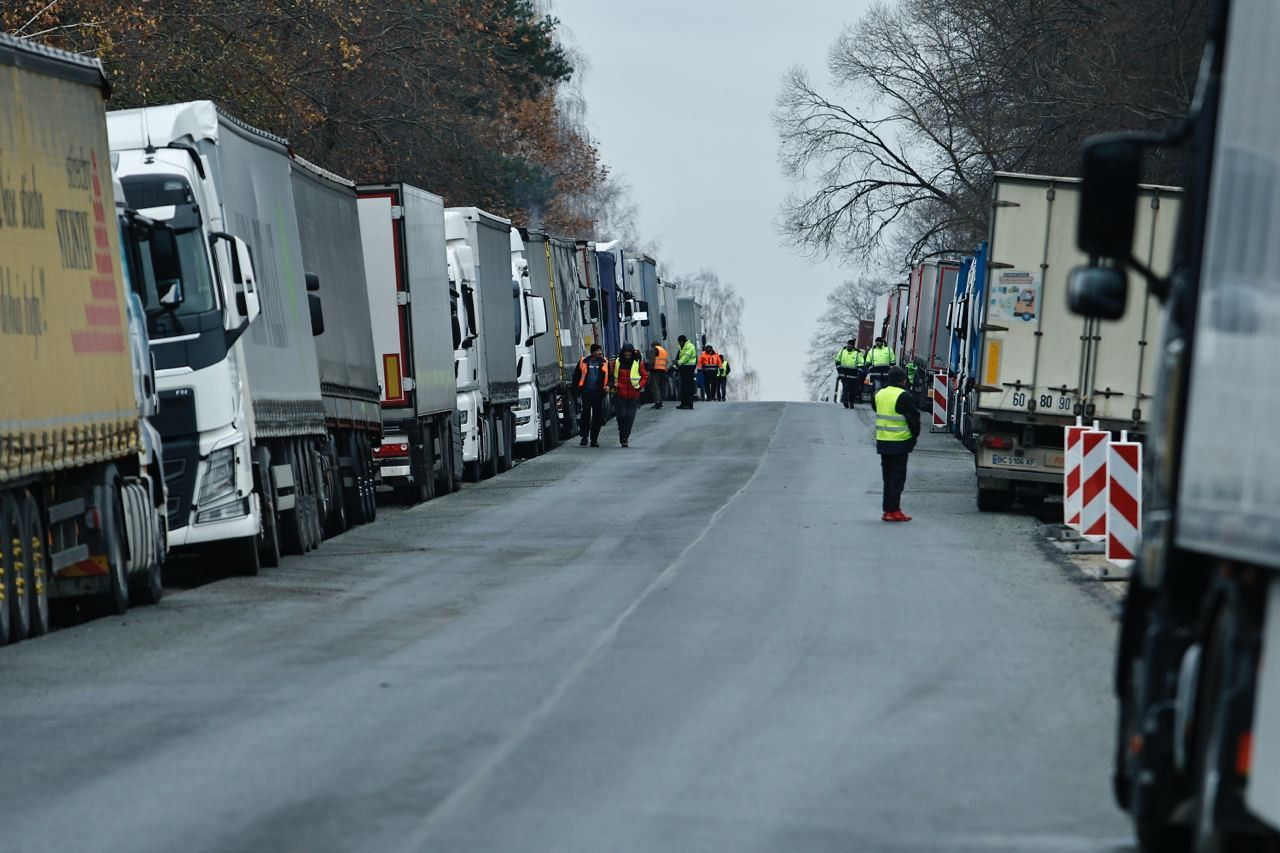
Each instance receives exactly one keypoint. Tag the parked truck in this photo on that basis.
(241, 409)
(1197, 676)
(417, 326)
(641, 302)
(479, 252)
(553, 350)
(927, 340)
(82, 497)
(1040, 367)
(536, 366)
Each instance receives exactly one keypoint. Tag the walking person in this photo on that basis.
(879, 360)
(629, 380)
(722, 377)
(897, 428)
(849, 368)
(687, 362)
(592, 381)
(658, 373)
(708, 364)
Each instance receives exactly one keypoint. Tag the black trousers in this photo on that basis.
(709, 382)
(687, 384)
(894, 471)
(721, 382)
(625, 412)
(657, 386)
(848, 385)
(592, 416)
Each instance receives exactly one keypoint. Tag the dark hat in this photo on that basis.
(897, 376)
(626, 348)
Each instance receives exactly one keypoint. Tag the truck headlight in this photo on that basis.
(462, 416)
(523, 419)
(219, 481)
(234, 507)
(523, 404)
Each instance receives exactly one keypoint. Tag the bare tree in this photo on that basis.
(931, 97)
(852, 301)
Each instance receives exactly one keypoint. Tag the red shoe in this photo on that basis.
(888, 516)
(896, 515)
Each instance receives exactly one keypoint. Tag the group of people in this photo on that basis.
(853, 366)
(630, 381)
(897, 415)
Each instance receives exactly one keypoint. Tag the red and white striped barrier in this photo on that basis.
(1071, 503)
(1124, 501)
(1093, 484)
(940, 391)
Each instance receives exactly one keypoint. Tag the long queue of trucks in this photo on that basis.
(212, 345)
(1018, 366)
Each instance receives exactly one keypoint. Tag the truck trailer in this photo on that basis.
(1197, 675)
(241, 409)
(416, 330)
(329, 228)
(1040, 367)
(82, 497)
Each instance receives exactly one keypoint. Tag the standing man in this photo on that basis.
(630, 378)
(687, 361)
(879, 360)
(708, 364)
(849, 366)
(658, 373)
(592, 382)
(722, 377)
(897, 427)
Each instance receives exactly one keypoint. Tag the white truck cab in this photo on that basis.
(532, 317)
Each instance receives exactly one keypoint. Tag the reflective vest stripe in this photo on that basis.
(890, 425)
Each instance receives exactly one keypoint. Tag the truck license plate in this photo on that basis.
(1013, 461)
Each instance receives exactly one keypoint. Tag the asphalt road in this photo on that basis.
(708, 641)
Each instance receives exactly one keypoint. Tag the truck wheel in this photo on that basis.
(37, 567)
(290, 523)
(1209, 836)
(19, 569)
(8, 573)
(370, 482)
(444, 480)
(115, 601)
(994, 500)
(490, 447)
(505, 433)
(269, 540)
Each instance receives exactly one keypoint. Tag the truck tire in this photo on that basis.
(315, 529)
(506, 435)
(994, 500)
(269, 539)
(369, 486)
(490, 447)
(290, 523)
(37, 566)
(8, 572)
(1209, 837)
(444, 480)
(240, 557)
(115, 601)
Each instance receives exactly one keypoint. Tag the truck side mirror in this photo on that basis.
(537, 316)
(1099, 292)
(1111, 171)
(317, 314)
(313, 282)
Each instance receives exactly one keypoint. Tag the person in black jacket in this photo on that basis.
(897, 428)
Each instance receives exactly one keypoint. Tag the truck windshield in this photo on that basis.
(197, 284)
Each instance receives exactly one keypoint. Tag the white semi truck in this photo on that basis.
(418, 321)
(535, 364)
(1197, 676)
(241, 410)
(82, 497)
(1039, 366)
(479, 253)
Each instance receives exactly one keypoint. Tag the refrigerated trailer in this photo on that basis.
(415, 329)
(1039, 365)
(329, 228)
(488, 389)
(82, 498)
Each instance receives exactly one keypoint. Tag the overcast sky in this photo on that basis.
(679, 94)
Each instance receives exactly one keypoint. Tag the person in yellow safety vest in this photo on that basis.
(897, 428)
(849, 369)
(658, 359)
(629, 380)
(687, 361)
(881, 355)
(722, 377)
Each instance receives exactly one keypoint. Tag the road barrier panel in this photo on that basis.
(1124, 501)
(1071, 503)
(940, 391)
(1093, 484)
